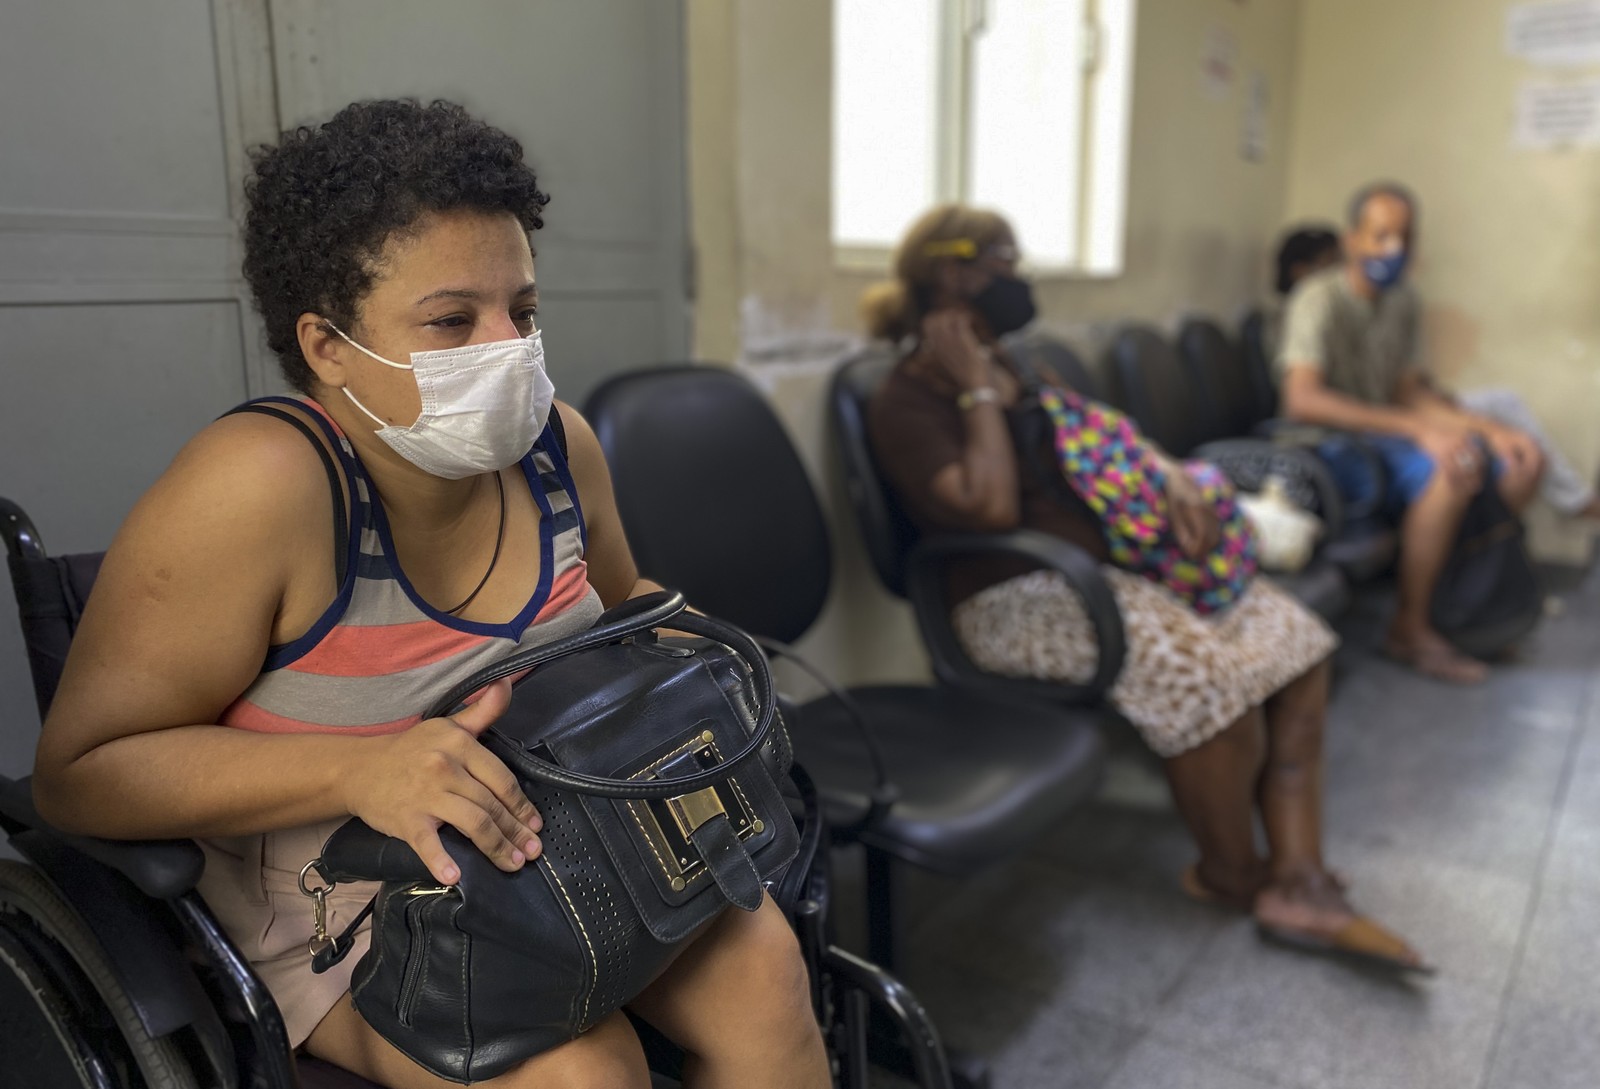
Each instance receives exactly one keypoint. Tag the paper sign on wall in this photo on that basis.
(1558, 115)
(1559, 34)
(1219, 60)
(1253, 127)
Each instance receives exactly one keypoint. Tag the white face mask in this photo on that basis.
(483, 406)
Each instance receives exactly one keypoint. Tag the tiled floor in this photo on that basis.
(1470, 821)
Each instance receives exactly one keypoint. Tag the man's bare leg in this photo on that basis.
(1426, 536)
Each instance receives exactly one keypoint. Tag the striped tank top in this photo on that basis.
(380, 653)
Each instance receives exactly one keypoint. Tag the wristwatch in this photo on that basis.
(971, 398)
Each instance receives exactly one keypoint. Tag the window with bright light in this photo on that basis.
(1017, 105)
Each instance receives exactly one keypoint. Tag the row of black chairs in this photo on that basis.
(732, 519)
(1205, 395)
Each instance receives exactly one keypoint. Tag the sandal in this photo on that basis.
(1360, 941)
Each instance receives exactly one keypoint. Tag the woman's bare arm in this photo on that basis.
(178, 626)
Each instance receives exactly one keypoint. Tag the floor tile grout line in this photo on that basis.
(1536, 895)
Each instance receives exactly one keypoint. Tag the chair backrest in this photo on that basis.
(1217, 372)
(713, 496)
(1151, 385)
(51, 592)
(1258, 364)
(887, 532)
(1046, 351)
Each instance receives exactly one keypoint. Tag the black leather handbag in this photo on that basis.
(656, 765)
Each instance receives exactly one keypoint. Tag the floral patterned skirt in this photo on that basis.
(1186, 677)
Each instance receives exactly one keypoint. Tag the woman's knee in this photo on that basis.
(608, 1056)
(768, 983)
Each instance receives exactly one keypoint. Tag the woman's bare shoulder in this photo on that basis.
(249, 478)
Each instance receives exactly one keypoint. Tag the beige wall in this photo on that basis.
(1201, 219)
(1509, 256)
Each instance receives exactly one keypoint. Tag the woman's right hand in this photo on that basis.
(955, 350)
(437, 773)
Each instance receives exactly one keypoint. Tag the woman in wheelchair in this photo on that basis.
(250, 666)
(1226, 676)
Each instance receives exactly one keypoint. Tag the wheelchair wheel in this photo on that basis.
(48, 956)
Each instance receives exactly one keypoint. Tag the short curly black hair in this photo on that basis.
(324, 201)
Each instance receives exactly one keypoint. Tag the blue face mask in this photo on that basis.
(1384, 272)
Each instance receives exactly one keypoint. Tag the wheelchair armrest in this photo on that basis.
(163, 868)
(925, 585)
(1247, 463)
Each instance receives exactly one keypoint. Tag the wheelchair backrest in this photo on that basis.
(51, 592)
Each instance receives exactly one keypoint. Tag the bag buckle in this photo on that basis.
(669, 823)
(690, 811)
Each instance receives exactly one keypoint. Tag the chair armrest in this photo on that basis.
(162, 868)
(1248, 463)
(925, 585)
(1289, 433)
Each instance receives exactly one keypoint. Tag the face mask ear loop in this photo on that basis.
(365, 351)
(388, 363)
(364, 408)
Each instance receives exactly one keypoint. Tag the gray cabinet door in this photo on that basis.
(593, 90)
(124, 326)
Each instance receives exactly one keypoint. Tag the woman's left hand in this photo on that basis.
(1194, 521)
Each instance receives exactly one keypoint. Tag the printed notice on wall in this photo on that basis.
(1561, 115)
(1253, 126)
(1555, 33)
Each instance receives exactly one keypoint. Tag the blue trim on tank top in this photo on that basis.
(552, 450)
(519, 623)
(288, 653)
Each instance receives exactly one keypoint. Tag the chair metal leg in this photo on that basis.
(883, 911)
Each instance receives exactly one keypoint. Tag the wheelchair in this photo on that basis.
(115, 975)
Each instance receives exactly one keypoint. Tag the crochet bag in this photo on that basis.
(1107, 463)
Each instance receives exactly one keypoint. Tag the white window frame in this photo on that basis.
(1107, 67)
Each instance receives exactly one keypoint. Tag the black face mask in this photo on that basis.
(1006, 304)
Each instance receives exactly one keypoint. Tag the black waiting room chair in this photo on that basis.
(717, 504)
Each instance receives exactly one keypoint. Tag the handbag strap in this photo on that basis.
(633, 618)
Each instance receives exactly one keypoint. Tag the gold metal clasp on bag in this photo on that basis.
(690, 811)
(667, 823)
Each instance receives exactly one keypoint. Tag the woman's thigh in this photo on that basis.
(608, 1056)
(742, 977)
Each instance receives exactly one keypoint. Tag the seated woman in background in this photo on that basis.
(1304, 250)
(1311, 248)
(249, 668)
(1234, 700)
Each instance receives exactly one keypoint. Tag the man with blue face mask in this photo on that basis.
(1350, 360)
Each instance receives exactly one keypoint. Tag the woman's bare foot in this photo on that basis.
(1431, 655)
(1309, 912)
